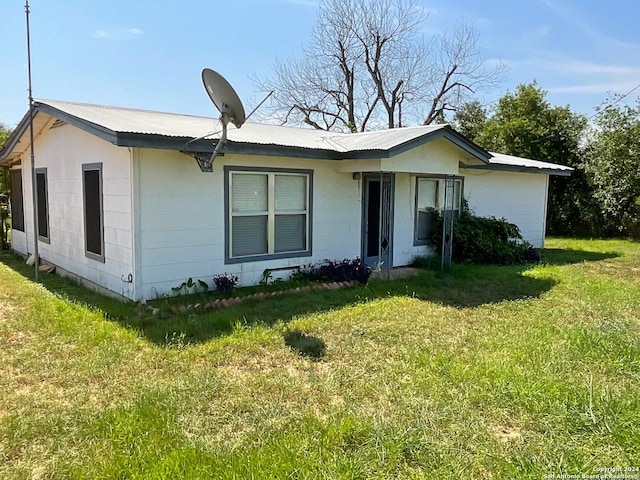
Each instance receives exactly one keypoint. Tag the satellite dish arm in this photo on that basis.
(223, 138)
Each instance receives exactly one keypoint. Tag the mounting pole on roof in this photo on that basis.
(34, 190)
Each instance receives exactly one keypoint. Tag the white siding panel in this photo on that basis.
(63, 151)
(182, 219)
(403, 221)
(436, 157)
(518, 197)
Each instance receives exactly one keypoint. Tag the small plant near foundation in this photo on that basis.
(190, 286)
(267, 276)
(345, 270)
(225, 283)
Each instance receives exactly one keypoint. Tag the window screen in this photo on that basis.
(93, 211)
(269, 213)
(429, 197)
(43, 204)
(17, 206)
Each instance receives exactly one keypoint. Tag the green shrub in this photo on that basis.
(486, 240)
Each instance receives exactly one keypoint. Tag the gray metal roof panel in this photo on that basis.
(135, 127)
(510, 160)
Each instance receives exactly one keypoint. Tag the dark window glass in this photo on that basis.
(43, 204)
(93, 211)
(17, 208)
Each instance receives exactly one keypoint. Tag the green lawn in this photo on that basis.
(482, 372)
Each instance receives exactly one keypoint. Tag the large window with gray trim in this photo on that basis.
(93, 211)
(43, 204)
(17, 206)
(429, 198)
(268, 213)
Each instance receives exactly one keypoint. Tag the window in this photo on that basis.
(430, 196)
(17, 209)
(93, 218)
(43, 204)
(268, 213)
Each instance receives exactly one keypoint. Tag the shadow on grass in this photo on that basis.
(463, 286)
(304, 344)
(561, 256)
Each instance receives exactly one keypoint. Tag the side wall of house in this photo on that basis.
(182, 226)
(521, 198)
(66, 246)
(404, 213)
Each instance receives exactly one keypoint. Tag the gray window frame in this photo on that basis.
(228, 221)
(420, 242)
(92, 167)
(42, 238)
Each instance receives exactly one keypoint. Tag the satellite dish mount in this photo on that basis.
(226, 100)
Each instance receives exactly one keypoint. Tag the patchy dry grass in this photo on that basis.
(483, 372)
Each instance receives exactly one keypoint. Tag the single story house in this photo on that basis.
(124, 206)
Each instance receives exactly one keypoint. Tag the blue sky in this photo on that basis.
(149, 54)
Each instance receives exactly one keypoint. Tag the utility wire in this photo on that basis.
(599, 112)
(616, 102)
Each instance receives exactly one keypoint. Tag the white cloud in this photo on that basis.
(595, 88)
(101, 34)
(306, 3)
(118, 33)
(563, 65)
(573, 16)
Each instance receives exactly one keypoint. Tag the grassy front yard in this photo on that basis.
(483, 372)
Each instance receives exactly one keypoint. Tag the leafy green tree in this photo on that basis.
(4, 189)
(4, 134)
(4, 172)
(526, 125)
(612, 162)
(471, 119)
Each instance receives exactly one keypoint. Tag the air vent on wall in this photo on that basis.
(57, 123)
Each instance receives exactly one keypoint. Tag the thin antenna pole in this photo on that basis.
(34, 189)
(259, 105)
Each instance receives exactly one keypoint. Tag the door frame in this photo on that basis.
(387, 257)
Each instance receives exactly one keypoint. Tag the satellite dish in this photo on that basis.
(224, 97)
(226, 100)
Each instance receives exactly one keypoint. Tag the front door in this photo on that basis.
(377, 224)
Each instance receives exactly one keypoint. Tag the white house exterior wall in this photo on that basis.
(63, 151)
(404, 221)
(439, 157)
(519, 197)
(182, 226)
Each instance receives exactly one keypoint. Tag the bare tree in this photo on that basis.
(458, 71)
(367, 66)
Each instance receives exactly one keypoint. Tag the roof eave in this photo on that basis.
(102, 132)
(5, 159)
(519, 169)
(186, 144)
(98, 130)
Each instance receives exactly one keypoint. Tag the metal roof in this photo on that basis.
(144, 128)
(503, 159)
(511, 163)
